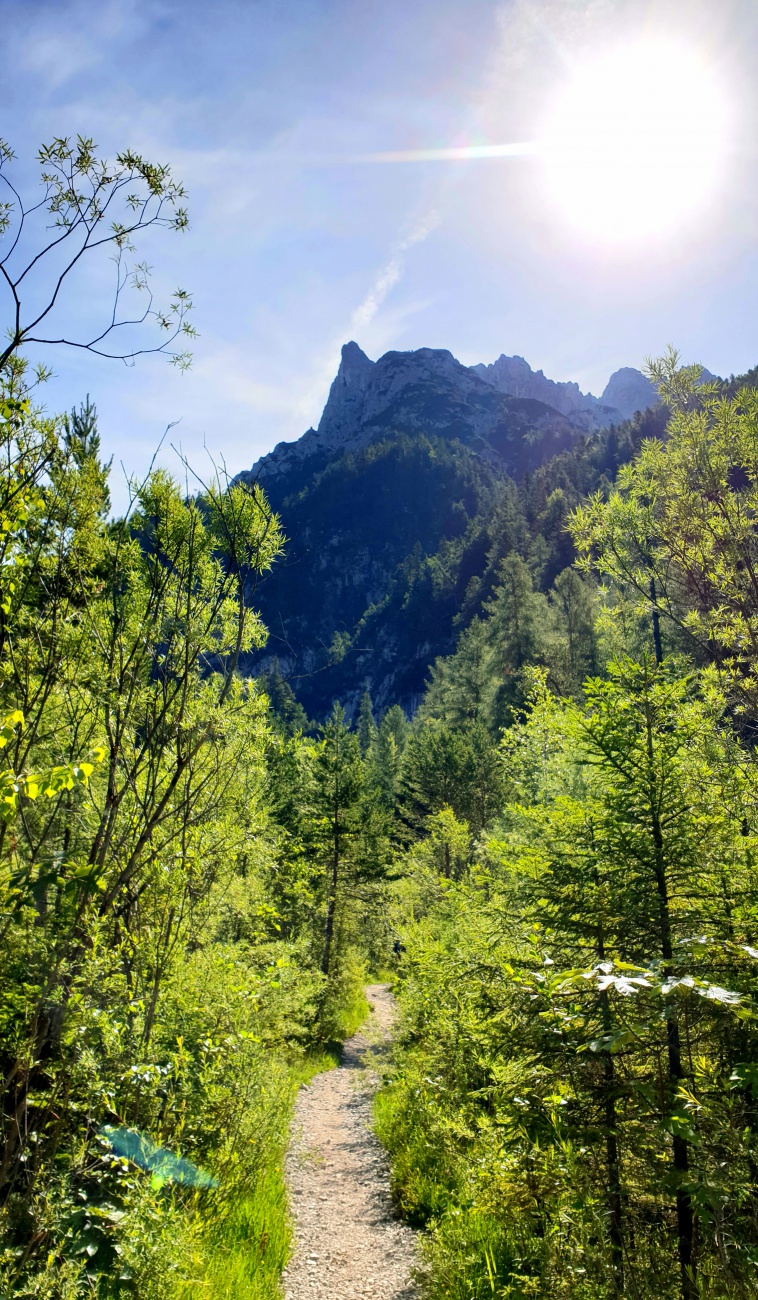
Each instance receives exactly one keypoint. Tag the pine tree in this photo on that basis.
(285, 706)
(366, 726)
(574, 653)
(338, 787)
(444, 766)
(82, 442)
(518, 629)
(396, 723)
(463, 686)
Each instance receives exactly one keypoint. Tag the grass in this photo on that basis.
(354, 1012)
(240, 1254)
(240, 1247)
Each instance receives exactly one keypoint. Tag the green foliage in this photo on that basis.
(677, 530)
(287, 712)
(159, 972)
(556, 858)
(89, 205)
(572, 1109)
(398, 548)
(449, 767)
(367, 733)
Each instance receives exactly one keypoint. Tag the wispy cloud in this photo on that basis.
(389, 275)
(392, 271)
(62, 46)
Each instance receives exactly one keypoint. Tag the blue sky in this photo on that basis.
(292, 252)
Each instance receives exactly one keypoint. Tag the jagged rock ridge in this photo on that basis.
(627, 391)
(428, 391)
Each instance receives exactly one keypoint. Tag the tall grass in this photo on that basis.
(239, 1243)
(131, 1236)
(472, 1252)
(240, 1250)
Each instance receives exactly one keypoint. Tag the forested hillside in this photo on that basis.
(397, 520)
(574, 1106)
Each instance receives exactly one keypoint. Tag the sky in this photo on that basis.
(267, 109)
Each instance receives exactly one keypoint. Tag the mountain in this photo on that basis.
(422, 474)
(426, 391)
(627, 391)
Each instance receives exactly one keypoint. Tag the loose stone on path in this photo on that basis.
(348, 1244)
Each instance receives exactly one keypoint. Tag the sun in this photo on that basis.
(634, 142)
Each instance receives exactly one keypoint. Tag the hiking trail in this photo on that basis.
(348, 1241)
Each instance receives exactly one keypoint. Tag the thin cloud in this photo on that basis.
(392, 272)
(366, 311)
(61, 47)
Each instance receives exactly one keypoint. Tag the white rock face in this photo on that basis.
(344, 405)
(389, 399)
(342, 415)
(628, 390)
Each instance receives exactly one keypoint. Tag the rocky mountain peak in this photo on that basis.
(493, 407)
(627, 391)
(345, 399)
(514, 375)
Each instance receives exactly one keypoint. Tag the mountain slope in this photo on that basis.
(354, 599)
(399, 507)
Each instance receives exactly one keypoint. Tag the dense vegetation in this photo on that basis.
(194, 879)
(176, 943)
(574, 1107)
(392, 550)
(181, 880)
(556, 853)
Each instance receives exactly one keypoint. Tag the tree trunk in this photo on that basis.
(680, 1148)
(332, 905)
(657, 643)
(615, 1203)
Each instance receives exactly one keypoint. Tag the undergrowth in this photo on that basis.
(115, 1231)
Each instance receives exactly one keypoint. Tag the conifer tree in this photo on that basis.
(395, 723)
(574, 654)
(383, 765)
(518, 630)
(366, 726)
(285, 705)
(463, 686)
(338, 786)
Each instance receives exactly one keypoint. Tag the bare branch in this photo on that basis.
(100, 205)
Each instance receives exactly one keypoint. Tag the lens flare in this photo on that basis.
(634, 142)
(459, 153)
(164, 1165)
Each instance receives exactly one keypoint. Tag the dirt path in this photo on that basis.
(348, 1242)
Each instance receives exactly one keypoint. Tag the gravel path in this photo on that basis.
(348, 1242)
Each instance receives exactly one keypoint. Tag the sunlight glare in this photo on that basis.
(634, 143)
